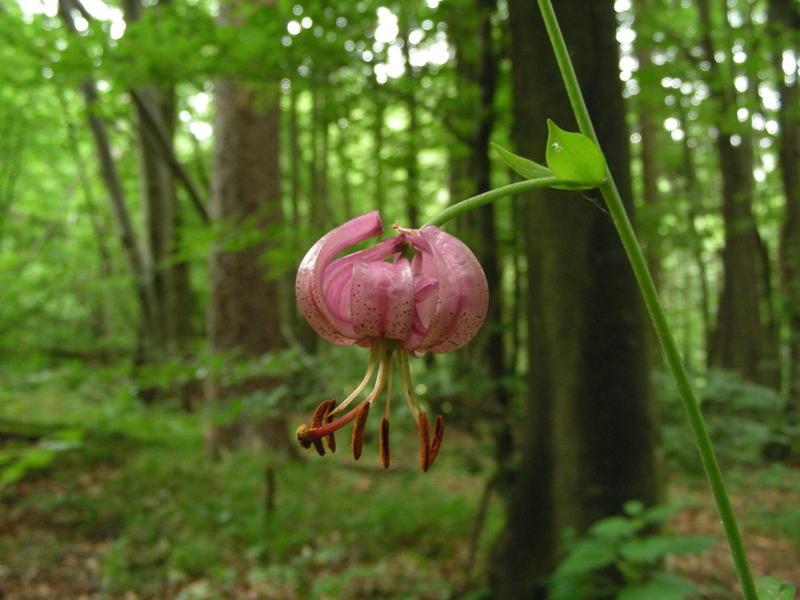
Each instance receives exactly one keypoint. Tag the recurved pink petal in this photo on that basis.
(382, 299)
(333, 325)
(456, 312)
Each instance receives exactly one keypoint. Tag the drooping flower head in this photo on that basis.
(419, 291)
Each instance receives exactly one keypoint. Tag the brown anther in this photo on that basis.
(318, 420)
(302, 436)
(384, 442)
(357, 443)
(329, 439)
(424, 442)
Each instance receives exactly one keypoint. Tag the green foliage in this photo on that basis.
(574, 158)
(770, 588)
(16, 462)
(173, 522)
(571, 157)
(741, 417)
(623, 555)
(527, 168)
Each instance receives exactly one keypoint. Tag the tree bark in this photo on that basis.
(161, 219)
(742, 340)
(785, 20)
(244, 303)
(145, 290)
(590, 429)
(154, 111)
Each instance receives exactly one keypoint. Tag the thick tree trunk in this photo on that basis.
(244, 302)
(590, 430)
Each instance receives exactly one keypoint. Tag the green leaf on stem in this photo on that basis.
(527, 168)
(770, 588)
(575, 159)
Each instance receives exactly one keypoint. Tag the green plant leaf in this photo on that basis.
(660, 513)
(575, 159)
(770, 588)
(613, 528)
(652, 548)
(663, 587)
(527, 168)
(585, 557)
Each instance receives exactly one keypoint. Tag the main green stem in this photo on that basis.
(668, 345)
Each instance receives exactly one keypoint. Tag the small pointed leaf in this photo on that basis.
(527, 168)
(770, 588)
(574, 159)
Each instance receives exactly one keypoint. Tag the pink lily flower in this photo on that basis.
(431, 297)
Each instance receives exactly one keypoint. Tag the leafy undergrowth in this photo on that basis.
(767, 504)
(136, 510)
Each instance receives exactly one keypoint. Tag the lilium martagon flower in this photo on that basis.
(420, 291)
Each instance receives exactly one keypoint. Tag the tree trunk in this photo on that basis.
(145, 290)
(590, 429)
(692, 193)
(244, 300)
(379, 185)
(742, 340)
(786, 20)
(161, 220)
(154, 110)
(319, 208)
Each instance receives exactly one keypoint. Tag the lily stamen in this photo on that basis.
(420, 291)
(376, 350)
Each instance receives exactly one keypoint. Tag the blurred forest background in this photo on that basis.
(165, 165)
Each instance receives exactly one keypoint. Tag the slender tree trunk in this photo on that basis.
(379, 185)
(154, 109)
(160, 217)
(244, 302)
(495, 354)
(412, 165)
(100, 308)
(590, 429)
(345, 165)
(692, 193)
(742, 340)
(295, 161)
(785, 20)
(320, 208)
(145, 290)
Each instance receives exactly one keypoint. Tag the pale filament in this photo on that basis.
(384, 370)
(405, 378)
(378, 347)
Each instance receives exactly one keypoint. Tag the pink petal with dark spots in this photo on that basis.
(382, 299)
(456, 312)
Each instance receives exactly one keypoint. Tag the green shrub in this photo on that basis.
(622, 557)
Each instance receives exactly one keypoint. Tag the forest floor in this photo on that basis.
(136, 511)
